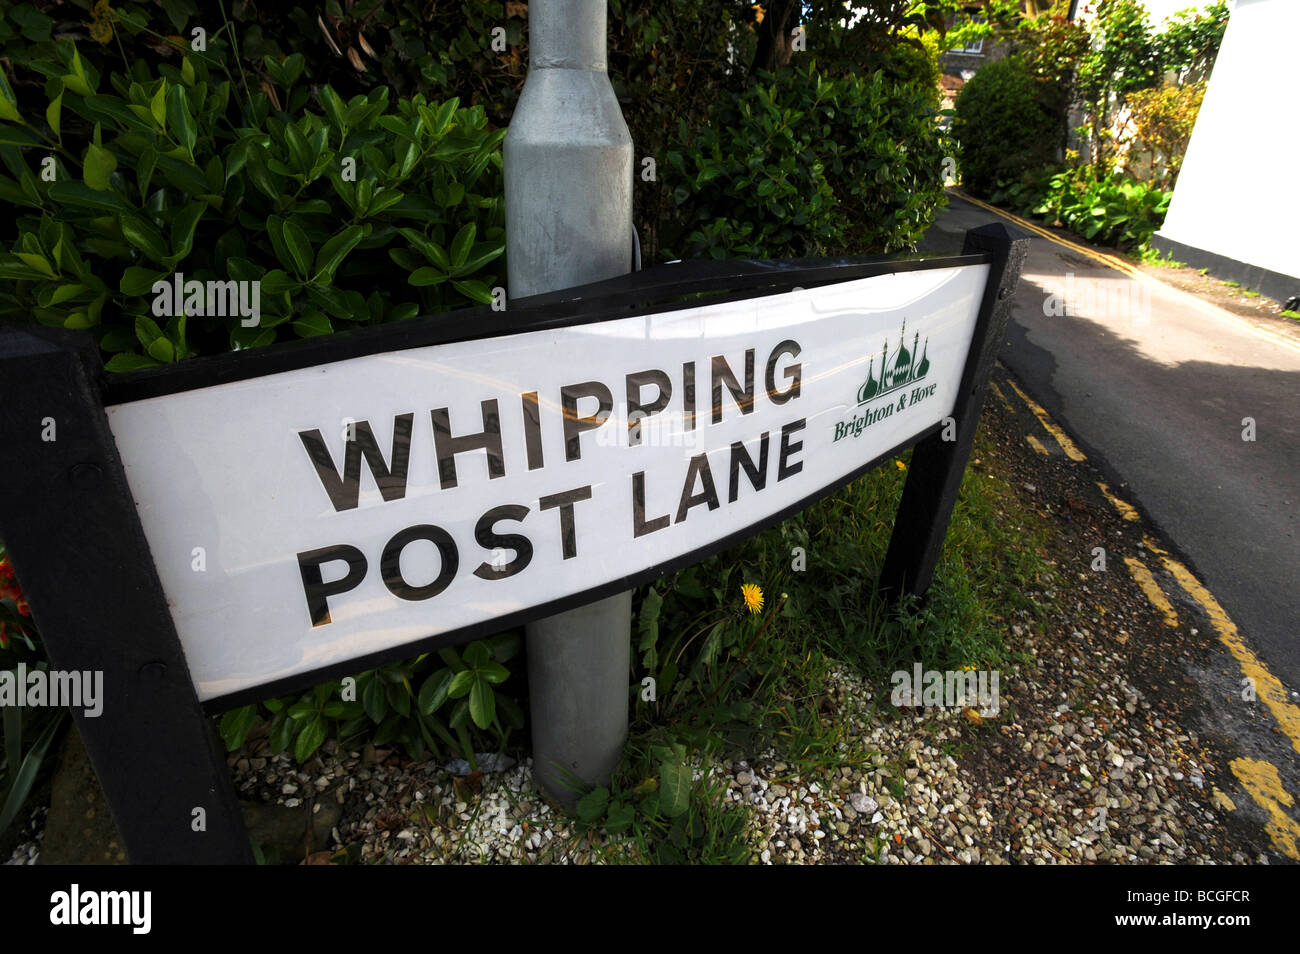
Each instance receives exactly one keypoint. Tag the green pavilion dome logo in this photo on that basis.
(898, 372)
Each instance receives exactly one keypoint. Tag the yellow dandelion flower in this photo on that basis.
(101, 22)
(753, 594)
(900, 465)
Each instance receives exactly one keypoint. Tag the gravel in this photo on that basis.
(1093, 757)
(1078, 767)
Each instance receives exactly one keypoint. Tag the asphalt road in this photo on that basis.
(1155, 393)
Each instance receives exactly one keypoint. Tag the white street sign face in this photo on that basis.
(305, 518)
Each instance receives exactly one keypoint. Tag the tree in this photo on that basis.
(851, 36)
(775, 39)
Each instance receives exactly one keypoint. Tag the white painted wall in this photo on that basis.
(1236, 195)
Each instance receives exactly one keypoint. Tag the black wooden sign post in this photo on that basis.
(75, 540)
(105, 484)
(938, 465)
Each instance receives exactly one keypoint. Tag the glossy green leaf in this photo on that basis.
(482, 703)
(144, 167)
(77, 84)
(183, 227)
(236, 724)
(309, 739)
(374, 699)
(434, 691)
(474, 291)
(283, 730)
(480, 255)
(333, 107)
(8, 101)
(477, 654)
(61, 294)
(129, 362)
(162, 350)
(145, 237)
(295, 239)
(426, 275)
(158, 106)
(313, 323)
(461, 684)
(461, 245)
(446, 112)
(179, 118)
(334, 301)
(38, 262)
(276, 281)
(275, 232)
(299, 151)
(53, 113)
(333, 252)
(429, 249)
(146, 330)
(493, 672)
(17, 136)
(79, 71)
(459, 718)
(80, 194)
(383, 199)
(182, 175)
(140, 281)
(98, 166)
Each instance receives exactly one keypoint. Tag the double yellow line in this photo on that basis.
(1129, 269)
(1260, 779)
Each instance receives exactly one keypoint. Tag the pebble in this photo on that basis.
(1099, 786)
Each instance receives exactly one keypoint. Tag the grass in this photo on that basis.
(731, 686)
(1251, 294)
(1149, 256)
(1287, 313)
(1232, 284)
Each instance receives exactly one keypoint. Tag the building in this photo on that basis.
(1235, 207)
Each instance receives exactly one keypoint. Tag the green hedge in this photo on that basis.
(799, 164)
(1007, 123)
(122, 183)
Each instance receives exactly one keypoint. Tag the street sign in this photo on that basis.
(242, 526)
(312, 517)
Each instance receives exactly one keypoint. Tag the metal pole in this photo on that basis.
(568, 172)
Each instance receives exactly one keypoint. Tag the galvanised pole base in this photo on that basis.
(568, 172)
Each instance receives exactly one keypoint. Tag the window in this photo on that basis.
(974, 47)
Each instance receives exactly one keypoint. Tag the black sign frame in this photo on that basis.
(75, 539)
